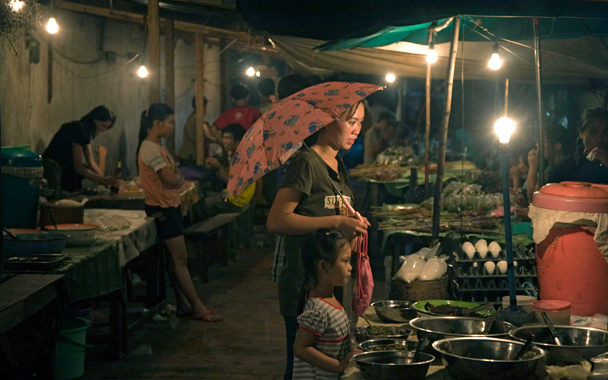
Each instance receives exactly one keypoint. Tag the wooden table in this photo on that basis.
(22, 298)
(134, 199)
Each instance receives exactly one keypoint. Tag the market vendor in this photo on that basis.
(589, 163)
(71, 149)
(378, 137)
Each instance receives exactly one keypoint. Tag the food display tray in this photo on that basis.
(39, 263)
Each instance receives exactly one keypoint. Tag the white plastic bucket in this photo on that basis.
(69, 351)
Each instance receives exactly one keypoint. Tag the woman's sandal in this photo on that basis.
(211, 316)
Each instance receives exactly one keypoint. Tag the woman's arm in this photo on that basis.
(170, 178)
(282, 218)
(102, 153)
(90, 159)
(532, 182)
(78, 154)
(304, 350)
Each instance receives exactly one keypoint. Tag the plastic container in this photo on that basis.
(69, 352)
(569, 264)
(557, 311)
(524, 301)
(21, 174)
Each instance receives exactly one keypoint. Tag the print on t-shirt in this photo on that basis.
(335, 202)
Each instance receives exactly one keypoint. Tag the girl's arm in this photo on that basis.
(78, 155)
(304, 350)
(282, 218)
(170, 179)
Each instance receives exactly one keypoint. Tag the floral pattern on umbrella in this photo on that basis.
(279, 133)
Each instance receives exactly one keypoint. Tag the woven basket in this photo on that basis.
(420, 290)
(62, 214)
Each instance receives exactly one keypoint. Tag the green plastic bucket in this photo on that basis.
(69, 351)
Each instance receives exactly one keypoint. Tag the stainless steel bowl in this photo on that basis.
(379, 344)
(362, 333)
(436, 328)
(576, 342)
(394, 311)
(394, 365)
(479, 358)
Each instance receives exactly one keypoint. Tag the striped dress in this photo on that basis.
(330, 325)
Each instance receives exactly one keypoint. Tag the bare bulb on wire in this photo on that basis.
(431, 56)
(390, 78)
(142, 72)
(16, 5)
(52, 26)
(250, 72)
(495, 62)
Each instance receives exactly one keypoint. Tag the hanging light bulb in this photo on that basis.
(495, 61)
(142, 72)
(431, 56)
(16, 5)
(503, 128)
(52, 26)
(390, 77)
(250, 72)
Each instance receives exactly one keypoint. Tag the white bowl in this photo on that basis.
(79, 234)
(524, 301)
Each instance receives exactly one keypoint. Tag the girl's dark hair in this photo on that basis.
(157, 111)
(590, 115)
(99, 113)
(312, 139)
(323, 244)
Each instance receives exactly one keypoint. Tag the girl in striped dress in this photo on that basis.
(322, 346)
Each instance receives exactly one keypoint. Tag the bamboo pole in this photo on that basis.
(539, 81)
(506, 96)
(427, 132)
(170, 76)
(200, 101)
(443, 132)
(49, 94)
(154, 50)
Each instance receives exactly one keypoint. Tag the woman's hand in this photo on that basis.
(350, 227)
(110, 181)
(601, 155)
(533, 160)
(213, 163)
(344, 362)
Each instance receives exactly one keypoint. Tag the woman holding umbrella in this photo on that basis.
(311, 197)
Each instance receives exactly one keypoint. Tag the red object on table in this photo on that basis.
(569, 264)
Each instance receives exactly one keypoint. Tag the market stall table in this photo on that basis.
(96, 270)
(133, 198)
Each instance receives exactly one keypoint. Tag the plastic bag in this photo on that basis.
(105, 224)
(122, 221)
(434, 268)
(411, 268)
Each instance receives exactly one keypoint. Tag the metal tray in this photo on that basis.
(33, 262)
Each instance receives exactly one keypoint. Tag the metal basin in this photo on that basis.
(479, 358)
(436, 328)
(394, 311)
(36, 243)
(381, 344)
(393, 365)
(362, 333)
(576, 342)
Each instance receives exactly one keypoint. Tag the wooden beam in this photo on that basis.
(170, 76)
(50, 70)
(154, 50)
(200, 100)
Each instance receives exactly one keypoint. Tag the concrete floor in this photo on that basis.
(248, 344)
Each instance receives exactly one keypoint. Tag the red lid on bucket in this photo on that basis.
(550, 305)
(572, 196)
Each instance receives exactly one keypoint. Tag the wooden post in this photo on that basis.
(506, 96)
(50, 70)
(170, 77)
(223, 76)
(539, 98)
(154, 50)
(443, 132)
(427, 133)
(200, 101)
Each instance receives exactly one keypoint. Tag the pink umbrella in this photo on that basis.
(279, 133)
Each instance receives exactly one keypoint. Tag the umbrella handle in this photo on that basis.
(352, 211)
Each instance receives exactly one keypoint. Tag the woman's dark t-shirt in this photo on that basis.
(60, 151)
(581, 170)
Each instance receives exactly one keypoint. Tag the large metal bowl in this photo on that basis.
(576, 342)
(362, 334)
(479, 358)
(394, 311)
(436, 328)
(380, 344)
(393, 365)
